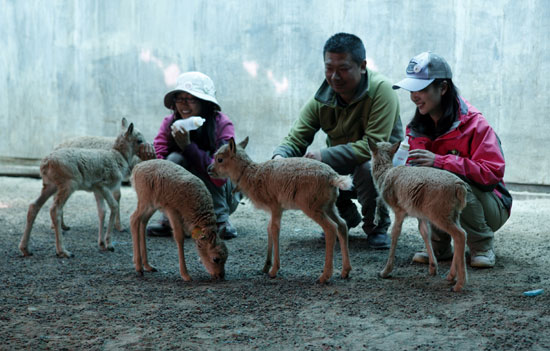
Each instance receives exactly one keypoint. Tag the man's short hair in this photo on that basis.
(346, 43)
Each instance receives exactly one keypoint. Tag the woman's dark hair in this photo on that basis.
(205, 136)
(450, 105)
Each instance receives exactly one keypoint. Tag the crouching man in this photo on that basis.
(352, 105)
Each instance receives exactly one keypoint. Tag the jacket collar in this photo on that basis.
(462, 113)
(463, 106)
(326, 95)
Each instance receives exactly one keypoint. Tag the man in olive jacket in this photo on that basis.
(352, 105)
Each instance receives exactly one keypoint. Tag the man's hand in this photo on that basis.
(146, 152)
(419, 157)
(316, 155)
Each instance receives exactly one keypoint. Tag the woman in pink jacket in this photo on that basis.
(446, 132)
(195, 95)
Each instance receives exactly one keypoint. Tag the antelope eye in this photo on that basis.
(220, 160)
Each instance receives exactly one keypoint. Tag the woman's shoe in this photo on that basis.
(422, 256)
(482, 259)
(226, 231)
(162, 228)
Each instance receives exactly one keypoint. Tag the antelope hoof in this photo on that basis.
(25, 252)
(385, 273)
(108, 247)
(266, 268)
(150, 268)
(272, 274)
(64, 254)
(450, 277)
(456, 288)
(322, 279)
(345, 274)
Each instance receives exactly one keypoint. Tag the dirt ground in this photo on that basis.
(96, 301)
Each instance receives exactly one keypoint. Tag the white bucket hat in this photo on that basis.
(195, 83)
(422, 70)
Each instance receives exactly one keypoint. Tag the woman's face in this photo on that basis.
(187, 105)
(428, 100)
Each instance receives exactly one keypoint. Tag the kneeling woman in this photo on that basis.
(447, 132)
(195, 95)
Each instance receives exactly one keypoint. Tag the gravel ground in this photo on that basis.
(96, 301)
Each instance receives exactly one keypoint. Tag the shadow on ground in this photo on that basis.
(96, 301)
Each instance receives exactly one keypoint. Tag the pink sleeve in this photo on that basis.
(225, 130)
(485, 164)
(162, 140)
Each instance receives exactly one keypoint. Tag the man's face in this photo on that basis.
(343, 74)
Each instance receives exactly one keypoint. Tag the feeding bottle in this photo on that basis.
(400, 157)
(190, 123)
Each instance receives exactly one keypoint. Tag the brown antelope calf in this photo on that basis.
(431, 195)
(290, 183)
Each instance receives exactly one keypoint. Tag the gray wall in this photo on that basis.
(70, 68)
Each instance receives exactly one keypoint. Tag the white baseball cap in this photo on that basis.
(422, 70)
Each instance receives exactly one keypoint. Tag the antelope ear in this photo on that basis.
(130, 130)
(232, 147)
(124, 123)
(372, 146)
(244, 143)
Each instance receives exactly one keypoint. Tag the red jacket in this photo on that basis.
(470, 149)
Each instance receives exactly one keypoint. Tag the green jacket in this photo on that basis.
(373, 114)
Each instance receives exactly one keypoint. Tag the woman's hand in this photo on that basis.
(181, 136)
(147, 152)
(420, 157)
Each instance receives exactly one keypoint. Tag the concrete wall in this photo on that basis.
(75, 67)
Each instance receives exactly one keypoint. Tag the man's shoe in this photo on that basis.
(348, 211)
(378, 241)
(482, 259)
(226, 231)
(162, 228)
(422, 256)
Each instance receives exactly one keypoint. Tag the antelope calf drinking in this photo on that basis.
(431, 195)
